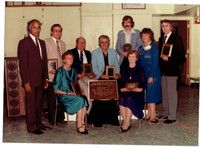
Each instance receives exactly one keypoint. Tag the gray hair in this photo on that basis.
(105, 37)
(29, 24)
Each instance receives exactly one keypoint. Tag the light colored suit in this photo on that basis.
(136, 41)
(98, 63)
(52, 53)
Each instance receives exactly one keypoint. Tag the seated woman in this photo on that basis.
(131, 101)
(62, 87)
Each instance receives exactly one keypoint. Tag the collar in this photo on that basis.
(54, 39)
(33, 37)
(132, 31)
(169, 34)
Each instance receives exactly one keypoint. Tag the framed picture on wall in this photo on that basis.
(133, 6)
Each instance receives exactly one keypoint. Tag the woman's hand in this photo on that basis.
(124, 90)
(104, 76)
(116, 76)
(71, 93)
(150, 80)
(137, 90)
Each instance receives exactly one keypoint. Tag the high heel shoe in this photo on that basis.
(85, 128)
(121, 130)
(154, 121)
(84, 132)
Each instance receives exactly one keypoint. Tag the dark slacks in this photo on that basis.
(34, 107)
(51, 102)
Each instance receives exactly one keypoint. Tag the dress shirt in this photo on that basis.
(34, 40)
(128, 36)
(84, 56)
(168, 35)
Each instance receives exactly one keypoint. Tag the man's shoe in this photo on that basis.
(97, 125)
(46, 127)
(163, 117)
(37, 132)
(169, 121)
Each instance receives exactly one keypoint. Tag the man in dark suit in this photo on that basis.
(169, 66)
(82, 56)
(33, 69)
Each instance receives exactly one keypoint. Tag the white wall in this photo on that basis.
(92, 20)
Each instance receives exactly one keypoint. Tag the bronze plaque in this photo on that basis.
(87, 69)
(52, 64)
(127, 47)
(103, 89)
(132, 85)
(167, 50)
(76, 88)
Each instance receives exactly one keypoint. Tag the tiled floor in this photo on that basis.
(14, 130)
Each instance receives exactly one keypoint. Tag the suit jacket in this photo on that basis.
(98, 63)
(136, 41)
(52, 53)
(171, 67)
(33, 69)
(77, 64)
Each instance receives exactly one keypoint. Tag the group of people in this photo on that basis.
(142, 64)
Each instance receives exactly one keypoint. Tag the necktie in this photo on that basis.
(81, 56)
(58, 48)
(36, 39)
(164, 39)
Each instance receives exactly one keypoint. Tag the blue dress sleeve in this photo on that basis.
(57, 80)
(155, 60)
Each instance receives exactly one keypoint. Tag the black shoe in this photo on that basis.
(154, 121)
(46, 127)
(37, 132)
(97, 124)
(121, 130)
(84, 132)
(163, 117)
(169, 121)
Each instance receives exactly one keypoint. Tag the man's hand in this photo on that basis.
(46, 85)
(91, 76)
(80, 76)
(28, 87)
(164, 57)
(53, 71)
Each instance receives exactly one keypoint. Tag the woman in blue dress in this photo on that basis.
(62, 87)
(131, 101)
(149, 60)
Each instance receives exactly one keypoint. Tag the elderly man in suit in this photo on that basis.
(55, 48)
(82, 56)
(33, 69)
(104, 111)
(128, 35)
(169, 66)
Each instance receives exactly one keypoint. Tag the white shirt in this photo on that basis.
(34, 40)
(128, 36)
(168, 35)
(84, 56)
